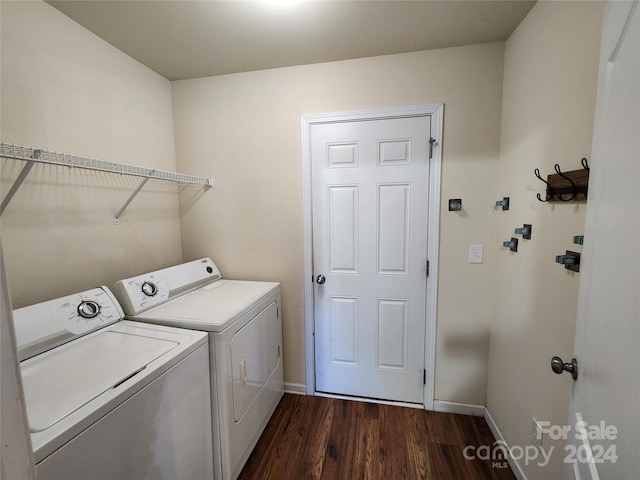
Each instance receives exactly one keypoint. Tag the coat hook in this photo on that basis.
(574, 191)
(571, 260)
(511, 244)
(455, 204)
(525, 231)
(585, 164)
(504, 203)
(547, 196)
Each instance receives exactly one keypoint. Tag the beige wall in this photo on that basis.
(551, 64)
(244, 130)
(65, 89)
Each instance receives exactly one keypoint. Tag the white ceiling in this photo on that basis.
(183, 39)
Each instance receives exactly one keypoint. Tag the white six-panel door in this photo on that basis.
(370, 184)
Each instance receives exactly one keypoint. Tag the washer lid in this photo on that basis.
(210, 308)
(61, 381)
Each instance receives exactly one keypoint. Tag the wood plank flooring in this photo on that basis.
(323, 438)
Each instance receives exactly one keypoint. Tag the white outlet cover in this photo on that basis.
(476, 253)
(536, 432)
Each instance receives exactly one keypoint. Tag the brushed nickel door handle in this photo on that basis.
(558, 366)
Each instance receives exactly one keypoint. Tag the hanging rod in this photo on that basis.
(33, 155)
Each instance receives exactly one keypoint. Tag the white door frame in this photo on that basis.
(435, 111)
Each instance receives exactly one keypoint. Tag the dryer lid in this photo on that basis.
(63, 380)
(211, 308)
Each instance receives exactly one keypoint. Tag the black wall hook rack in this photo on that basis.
(566, 186)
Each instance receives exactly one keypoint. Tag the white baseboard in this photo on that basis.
(513, 463)
(461, 408)
(480, 411)
(295, 388)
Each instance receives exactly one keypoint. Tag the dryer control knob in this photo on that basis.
(149, 289)
(88, 309)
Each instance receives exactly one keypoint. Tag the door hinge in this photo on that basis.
(427, 268)
(431, 142)
(424, 376)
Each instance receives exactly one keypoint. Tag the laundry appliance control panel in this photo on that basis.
(45, 325)
(138, 294)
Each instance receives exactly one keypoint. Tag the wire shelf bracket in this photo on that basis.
(33, 156)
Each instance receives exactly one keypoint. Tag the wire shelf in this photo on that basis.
(34, 155)
(20, 152)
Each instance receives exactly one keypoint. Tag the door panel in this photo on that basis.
(342, 155)
(394, 152)
(342, 223)
(344, 314)
(393, 229)
(370, 202)
(392, 334)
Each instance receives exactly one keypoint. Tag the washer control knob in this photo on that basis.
(88, 309)
(149, 289)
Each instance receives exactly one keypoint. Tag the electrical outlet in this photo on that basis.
(536, 433)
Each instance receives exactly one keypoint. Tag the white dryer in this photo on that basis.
(107, 398)
(243, 321)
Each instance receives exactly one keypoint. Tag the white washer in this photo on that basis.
(245, 338)
(107, 398)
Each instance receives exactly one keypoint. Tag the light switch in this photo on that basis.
(476, 253)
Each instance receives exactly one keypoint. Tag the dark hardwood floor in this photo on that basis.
(323, 438)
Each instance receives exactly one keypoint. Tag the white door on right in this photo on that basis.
(604, 412)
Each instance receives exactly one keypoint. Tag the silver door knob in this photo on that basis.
(320, 279)
(558, 366)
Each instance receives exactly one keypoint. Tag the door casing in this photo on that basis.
(436, 112)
